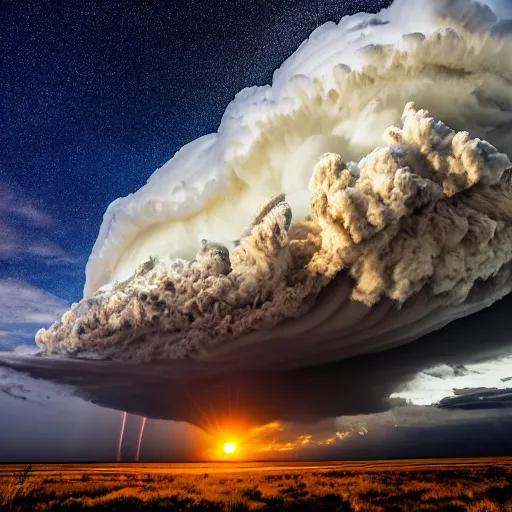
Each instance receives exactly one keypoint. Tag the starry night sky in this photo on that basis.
(96, 95)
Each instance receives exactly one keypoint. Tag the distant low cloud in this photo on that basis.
(485, 398)
(25, 229)
(418, 416)
(22, 303)
(460, 386)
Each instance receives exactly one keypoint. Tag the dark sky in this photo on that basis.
(96, 95)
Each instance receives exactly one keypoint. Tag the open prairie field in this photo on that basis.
(480, 485)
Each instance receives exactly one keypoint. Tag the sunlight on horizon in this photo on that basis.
(229, 448)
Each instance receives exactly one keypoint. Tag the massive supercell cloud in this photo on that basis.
(201, 393)
(361, 201)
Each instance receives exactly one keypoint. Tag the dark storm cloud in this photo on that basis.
(479, 399)
(189, 390)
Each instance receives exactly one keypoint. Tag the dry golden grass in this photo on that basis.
(473, 489)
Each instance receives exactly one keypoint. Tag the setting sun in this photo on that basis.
(229, 448)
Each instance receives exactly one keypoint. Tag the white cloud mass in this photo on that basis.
(379, 222)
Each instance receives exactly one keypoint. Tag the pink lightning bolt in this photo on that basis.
(140, 438)
(121, 434)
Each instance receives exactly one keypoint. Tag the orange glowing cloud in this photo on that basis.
(236, 442)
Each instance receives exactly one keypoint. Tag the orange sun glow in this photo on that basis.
(229, 448)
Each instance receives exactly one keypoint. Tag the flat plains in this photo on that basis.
(476, 485)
